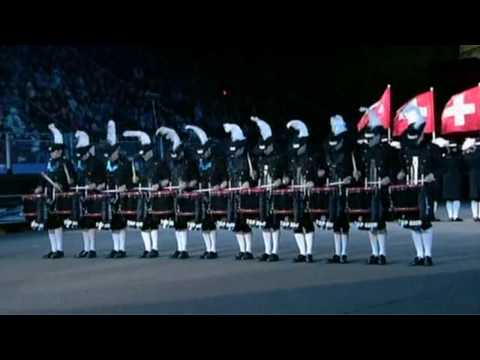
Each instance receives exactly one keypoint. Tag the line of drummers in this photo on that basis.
(362, 180)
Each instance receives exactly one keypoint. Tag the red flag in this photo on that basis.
(426, 105)
(462, 112)
(383, 110)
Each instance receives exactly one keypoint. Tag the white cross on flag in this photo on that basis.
(383, 110)
(425, 103)
(462, 112)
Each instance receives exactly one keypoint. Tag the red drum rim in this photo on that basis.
(126, 212)
(285, 191)
(163, 193)
(323, 190)
(248, 211)
(360, 190)
(283, 212)
(405, 209)
(166, 212)
(403, 187)
(318, 211)
(185, 214)
(352, 211)
(252, 191)
(95, 197)
(93, 215)
(30, 214)
(60, 212)
(131, 194)
(67, 194)
(217, 212)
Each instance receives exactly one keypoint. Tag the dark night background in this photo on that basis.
(313, 84)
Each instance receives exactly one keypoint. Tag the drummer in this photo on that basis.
(149, 175)
(376, 170)
(269, 169)
(183, 174)
(118, 178)
(417, 160)
(61, 175)
(212, 172)
(340, 161)
(90, 172)
(240, 173)
(303, 170)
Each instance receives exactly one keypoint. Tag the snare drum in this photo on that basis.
(64, 203)
(189, 207)
(405, 204)
(364, 208)
(132, 206)
(319, 205)
(253, 205)
(35, 210)
(285, 207)
(162, 204)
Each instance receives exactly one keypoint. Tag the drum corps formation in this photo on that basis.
(362, 180)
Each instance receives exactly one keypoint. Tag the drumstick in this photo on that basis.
(50, 181)
(250, 166)
(69, 179)
(354, 163)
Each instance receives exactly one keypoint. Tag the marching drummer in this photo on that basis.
(240, 173)
(149, 175)
(118, 179)
(90, 173)
(376, 169)
(269, 165)
(212, 171)
(418, 164)
(59, 177)
(303, 170)
(183, 174)
(341, 163)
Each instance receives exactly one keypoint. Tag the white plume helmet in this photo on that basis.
(57, 135)
(171, 135)
(83, 139)
(413, 115)
(140, 135)
(265, 129)
(111, 133)
(202, 135)
(468, 143)
(300, 127)
(338, 125)
(441, 142)
(235, 132)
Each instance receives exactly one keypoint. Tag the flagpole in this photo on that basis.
(390, 116)
(434, 122)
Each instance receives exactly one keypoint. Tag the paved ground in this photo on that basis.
(31, 285)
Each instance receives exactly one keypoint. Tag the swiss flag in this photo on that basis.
(382, 109)
(462, 112)
(426, 105)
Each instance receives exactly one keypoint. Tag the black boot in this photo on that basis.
(310, 259)
(204, 256)
(153, 254)
(49, 255)
(144, 255)
(344, 259)
(273, 258)
(184, 255)
(121, 254)
(382, 260)
(240, 256)
(58, 255)
(373, 260)
(212, 255)
(248, 256)
(92, 254)
(263, 258)
(175, 255)
(458, 220)
(417, 262)
(334, 260)
(112, 255)
(300, 259)
(428, 261)
(82, 254)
